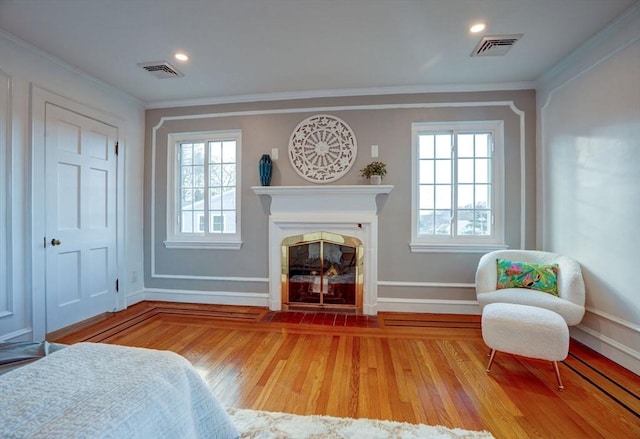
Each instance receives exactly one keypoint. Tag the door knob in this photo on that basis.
(55, 242)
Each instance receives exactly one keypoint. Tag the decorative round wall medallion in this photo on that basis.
(322, 148)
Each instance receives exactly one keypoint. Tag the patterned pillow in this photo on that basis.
(514, 274)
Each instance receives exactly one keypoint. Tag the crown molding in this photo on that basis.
(336, 93)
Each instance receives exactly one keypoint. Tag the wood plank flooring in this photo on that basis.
(406, 367)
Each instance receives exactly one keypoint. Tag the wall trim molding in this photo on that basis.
(614, 319)
(154, 138)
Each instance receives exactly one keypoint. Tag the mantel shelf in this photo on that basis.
(323, 199)
(349, 190)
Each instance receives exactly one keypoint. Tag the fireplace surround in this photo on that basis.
(350, 211)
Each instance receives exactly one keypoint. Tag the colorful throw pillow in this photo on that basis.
(514, 274)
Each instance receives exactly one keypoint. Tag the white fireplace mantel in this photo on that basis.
(346, 198)
(349, 210)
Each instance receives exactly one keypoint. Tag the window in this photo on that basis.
(203, 198)
(457, 186)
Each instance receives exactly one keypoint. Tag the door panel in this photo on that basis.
(80, 174)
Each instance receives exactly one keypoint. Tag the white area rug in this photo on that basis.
(254, 424)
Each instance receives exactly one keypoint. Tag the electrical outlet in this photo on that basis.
(374, 151)
(274, 154)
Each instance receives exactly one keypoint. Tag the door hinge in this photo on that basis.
(117, 143)
(117, 286)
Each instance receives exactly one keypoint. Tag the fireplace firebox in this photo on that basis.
(322, 270)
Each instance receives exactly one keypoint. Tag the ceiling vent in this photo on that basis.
(497, 45)
(161, 69)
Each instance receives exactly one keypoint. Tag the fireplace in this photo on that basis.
(322, 270)
(328, 214)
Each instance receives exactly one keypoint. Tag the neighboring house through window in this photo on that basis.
(457, 188)
(203, 195)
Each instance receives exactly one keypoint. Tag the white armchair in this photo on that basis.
(569, 304)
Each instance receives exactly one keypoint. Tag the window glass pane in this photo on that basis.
(186, 154)
(482, 196)
(482, 223)
(443, 171)
(229, 175)
(425, 146)
(215, 175)
(216, 222)
(426, 222)
(228, 198)
(186, 222)
(215, 199)
(465, 145)
(186, 199)
(465, 196)
(427, 200)
(482, 145)
(443, 197)
(229, 151)
(197, 176)
(483, 171)
(229, 221)
(198, 153)
(443, 222)
(465, 171)
(215, 152)
(426, 171)
(186, 176)
(443, 146)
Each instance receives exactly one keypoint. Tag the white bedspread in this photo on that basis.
(103, 391)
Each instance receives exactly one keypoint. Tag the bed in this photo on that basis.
(90, 390)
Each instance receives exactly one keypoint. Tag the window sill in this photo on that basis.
(207, 245)
(423, 247)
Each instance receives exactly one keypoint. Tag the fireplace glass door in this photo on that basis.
(322, 269)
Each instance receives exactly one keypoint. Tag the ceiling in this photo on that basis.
(257, 49)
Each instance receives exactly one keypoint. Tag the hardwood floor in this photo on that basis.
(422, 368)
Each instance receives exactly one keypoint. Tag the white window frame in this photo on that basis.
(176, 239)
(461, 243)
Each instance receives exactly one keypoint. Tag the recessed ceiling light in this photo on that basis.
(478, 27)
(180, 56)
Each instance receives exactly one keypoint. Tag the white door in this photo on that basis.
(80, 217)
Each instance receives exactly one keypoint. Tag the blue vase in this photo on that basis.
(265, 167)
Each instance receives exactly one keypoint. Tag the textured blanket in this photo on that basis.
(104, 391)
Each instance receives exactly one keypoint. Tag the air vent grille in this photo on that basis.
(495, 45)
(161, 69)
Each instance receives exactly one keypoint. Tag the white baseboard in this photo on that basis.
(208, 297)
(436, 306)
(610, 348)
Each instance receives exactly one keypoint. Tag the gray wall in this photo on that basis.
(378, 120)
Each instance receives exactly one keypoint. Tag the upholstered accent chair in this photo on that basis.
(571, 293)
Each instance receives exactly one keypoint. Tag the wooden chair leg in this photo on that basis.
(492, 356)
(555, 366)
